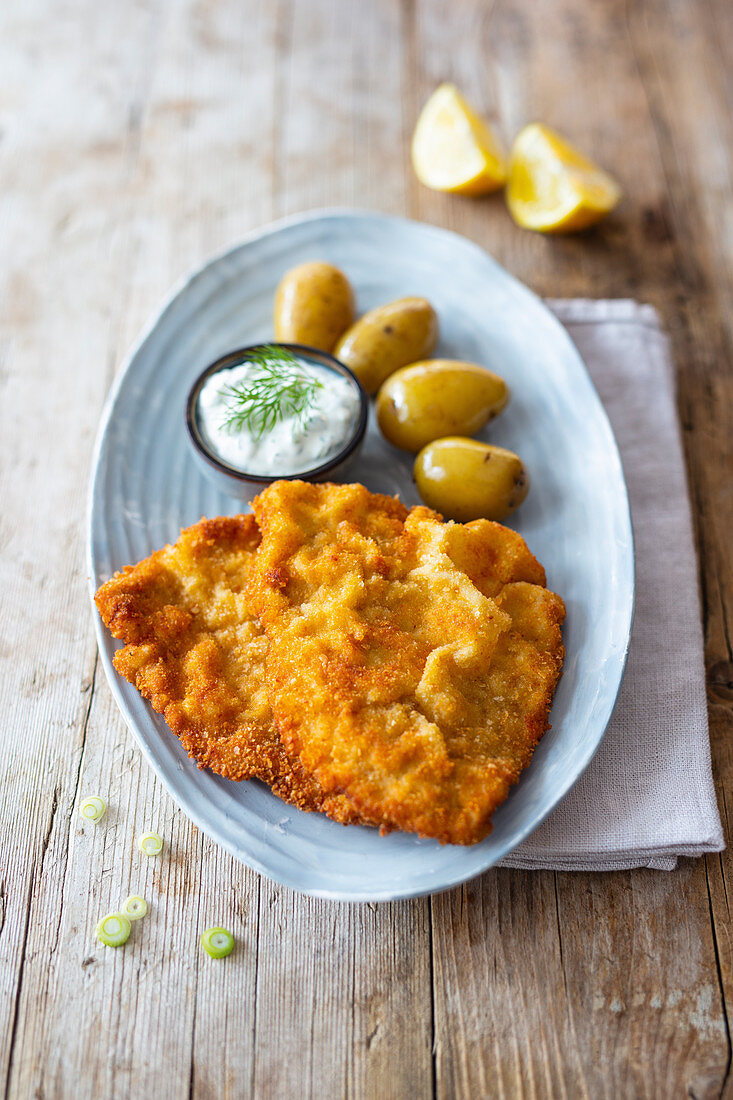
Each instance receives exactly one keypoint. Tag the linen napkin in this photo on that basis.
(647, 796)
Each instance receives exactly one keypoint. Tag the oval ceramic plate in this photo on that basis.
(145, 487)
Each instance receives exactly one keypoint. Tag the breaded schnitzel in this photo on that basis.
(397, 680)
(196, 651)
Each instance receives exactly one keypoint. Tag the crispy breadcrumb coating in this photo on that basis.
(412, 663)
(196, 651)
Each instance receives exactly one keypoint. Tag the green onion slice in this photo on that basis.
(135, 908)
(150, 844)
(114, 929)
(92, 809)
(217, 942)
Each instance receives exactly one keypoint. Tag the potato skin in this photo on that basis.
(388, 338)
(435, 398)
(314, 304)
(465, 479)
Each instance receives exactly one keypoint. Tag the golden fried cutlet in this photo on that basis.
(194, 649)
(397, 680)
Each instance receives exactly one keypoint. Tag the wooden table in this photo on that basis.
(136, 139)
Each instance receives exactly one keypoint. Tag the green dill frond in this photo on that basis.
(276, 389)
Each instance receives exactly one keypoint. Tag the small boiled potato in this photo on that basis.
(435, 398)
(464, 479)
(388, 338)
(314, 304)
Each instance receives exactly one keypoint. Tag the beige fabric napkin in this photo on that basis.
(648, 794)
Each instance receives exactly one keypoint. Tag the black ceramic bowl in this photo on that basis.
(244, 485)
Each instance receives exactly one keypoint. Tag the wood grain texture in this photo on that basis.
(135, 140)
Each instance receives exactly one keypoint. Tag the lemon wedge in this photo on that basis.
(552, 187)
(455, 150)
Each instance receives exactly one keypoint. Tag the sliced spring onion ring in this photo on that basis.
(114, 929)
(135, 908)
(217, 942)
(150, 844)
(93, 808)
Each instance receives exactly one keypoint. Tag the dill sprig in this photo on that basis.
(276, 389)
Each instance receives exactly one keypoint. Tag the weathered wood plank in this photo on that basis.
(684, 61)
(343, 998)
(501, 1025)
(681, 57)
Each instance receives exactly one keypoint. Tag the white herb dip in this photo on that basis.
(293, 444)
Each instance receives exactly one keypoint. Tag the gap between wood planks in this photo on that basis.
(721, 984)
